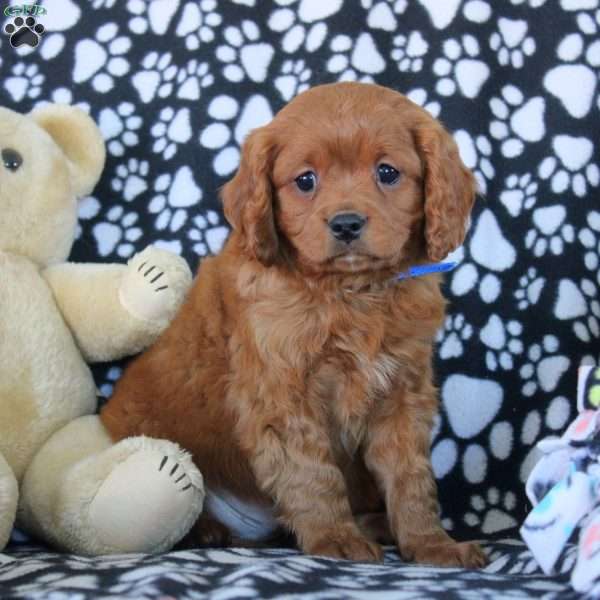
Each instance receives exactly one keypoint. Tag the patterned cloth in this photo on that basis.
(565, 489)
(176, 84)
(34, 574)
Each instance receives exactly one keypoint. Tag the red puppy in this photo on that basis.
(298, 373)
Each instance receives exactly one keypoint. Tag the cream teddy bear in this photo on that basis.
(59, 471)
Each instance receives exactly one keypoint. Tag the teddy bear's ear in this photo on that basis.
(80, 140)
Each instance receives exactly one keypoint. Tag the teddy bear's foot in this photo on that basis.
(8, 501)
(90, 496)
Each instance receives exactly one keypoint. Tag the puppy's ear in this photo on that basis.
(449, 189)
(248, 198)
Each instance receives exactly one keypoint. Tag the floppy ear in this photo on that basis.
(449, 189)
(248, 198)
(80, 140)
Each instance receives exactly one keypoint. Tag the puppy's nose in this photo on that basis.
(347, 227)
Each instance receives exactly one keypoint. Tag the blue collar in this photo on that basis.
(425, 270)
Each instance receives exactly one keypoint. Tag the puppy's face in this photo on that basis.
(350, 177)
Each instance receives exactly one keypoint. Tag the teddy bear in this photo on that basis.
(61, 476)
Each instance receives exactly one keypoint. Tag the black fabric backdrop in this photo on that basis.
(176, 85)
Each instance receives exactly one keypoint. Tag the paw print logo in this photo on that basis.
(419, 96)
(154, 14)
(193, 78)
(516, 121)
(520, 192)
(102, 59)
(130, 180)
(87, 209)
(511, 42)
(174, 194)
(589, 237)
(476, 153)
(198, 22)
(570, 166)
(460, 68)
(118, 233)
(207, 235)
(120, 127)
(544, 367)
(503, 342)
(530, 289)
(244, 54)
(408, 51)
(355, 60)
(172, 128)
(24, 32)
(303, 23)
(294, 78)
(456, 331)
(25, 82)
(580, 304)
(382, 15)
(550, 231)
(228, 118)
(578, 71)
(492, 512)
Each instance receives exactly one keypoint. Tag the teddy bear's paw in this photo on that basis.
(154, 285)
(147, 503)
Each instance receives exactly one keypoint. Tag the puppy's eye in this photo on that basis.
(306, 182)
(11, 159)
(387, 175)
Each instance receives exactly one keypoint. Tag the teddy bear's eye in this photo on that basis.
(11, 159)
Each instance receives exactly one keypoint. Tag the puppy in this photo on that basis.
(298, 373)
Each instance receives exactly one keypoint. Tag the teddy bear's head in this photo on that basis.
(48, 159)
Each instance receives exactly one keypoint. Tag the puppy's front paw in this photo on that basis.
(446, 554)
(154, 285)
(348, 545)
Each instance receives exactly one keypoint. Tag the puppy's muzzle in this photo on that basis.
(347, 227)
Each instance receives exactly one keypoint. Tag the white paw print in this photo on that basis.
(530, 289)
(589, 237)
(382, 14)
(574, 81)
(460, 68)
(456, 331)
(174, 195)
(87, 209)
(589, 23)
(25, 82)
(419, 96)
(172, 128)
(119, 127)
(131, 179)
(476, 153)
(112, 376)
(102, 59)
(117, 233)
(355, 60)
(192, 79)
(511, 42)
(64, 95)
(228, 118)
(544, 373)
(244, 54)
(550, 231)
(294, 79)
(571, 166)
(503, 342)
(516, 121)
(153, 14)
(303, 24)
(157, 77)
(408, 51)
(492, 512)
(207, 235)
(520, 192)
(579, 302)
(198, 22)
